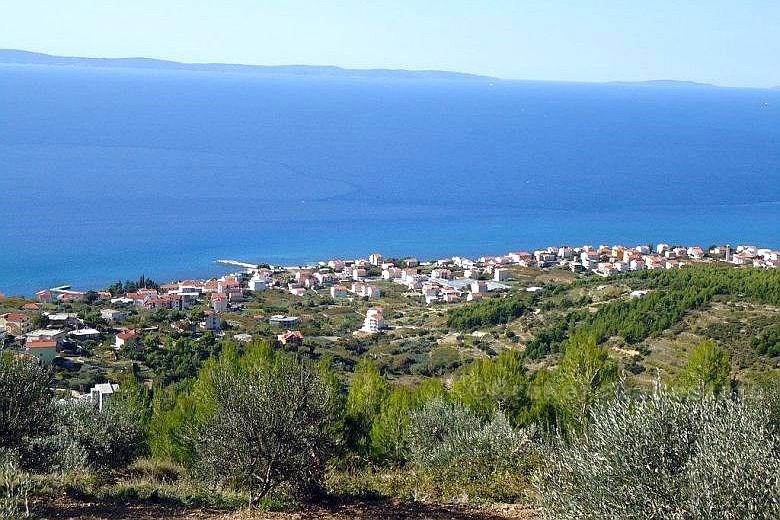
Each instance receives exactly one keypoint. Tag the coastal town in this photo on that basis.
(50, 328)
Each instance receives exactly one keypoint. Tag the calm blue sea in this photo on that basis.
(108, 174)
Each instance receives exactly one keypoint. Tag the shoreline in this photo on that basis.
(547, 257)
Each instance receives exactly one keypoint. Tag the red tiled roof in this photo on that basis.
(41, 343)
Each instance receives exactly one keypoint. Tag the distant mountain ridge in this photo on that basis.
(19, 57)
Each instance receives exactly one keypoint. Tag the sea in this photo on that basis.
(107, 174)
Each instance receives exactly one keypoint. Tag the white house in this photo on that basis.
(212, 321)
(696, 252)
(63, 319)
(500, 275)
(472, 273)
(444, 274)
(85, 334)
(479, 287)
(375, 259)
(280, 320)
(431, 293)
(124, 337)
(391, 273)
(258, 283)
(46, 334)
(113, 315)
(336, 265)
(375, 320)
(219, 302)
(450, 296)
(101, 393)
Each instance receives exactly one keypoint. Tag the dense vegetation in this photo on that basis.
(768, 343)
(490, 312)
(264, 423)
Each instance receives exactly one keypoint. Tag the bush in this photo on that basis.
(26, 407)
(107, 439)
(443, 434)
(271, 428)
(485, 459)
(665, 456)
(488, 385)
(15, 486)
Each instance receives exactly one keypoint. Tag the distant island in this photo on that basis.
(664, 83)
(20, 57)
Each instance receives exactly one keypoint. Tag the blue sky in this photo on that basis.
(734, 42)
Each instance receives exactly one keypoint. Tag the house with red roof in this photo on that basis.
(16, 323)
(291, 337)
(43, 349)
(124, 337)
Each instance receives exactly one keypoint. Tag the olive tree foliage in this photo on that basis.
(95, 439)
(270, 429)
(447, 434)
(665, 456)
(26, 408)
(15, 488)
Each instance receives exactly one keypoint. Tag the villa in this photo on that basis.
(375, 320)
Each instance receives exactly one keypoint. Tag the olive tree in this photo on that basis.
(99, 439)
(271, 428)
(26, 407)
(447, 434)
(666, 456)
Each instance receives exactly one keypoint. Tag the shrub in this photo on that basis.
(452, 448)
(26, 407)
(665, 456)
(707, 371)
(15, 486)
(488, 385)
(490, 312)
(444, 434)
(107, 439)
(271, 428)
(367, 394)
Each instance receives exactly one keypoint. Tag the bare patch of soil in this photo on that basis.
(333, 510)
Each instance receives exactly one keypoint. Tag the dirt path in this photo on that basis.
(384, 509)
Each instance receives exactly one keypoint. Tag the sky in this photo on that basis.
(725, 42)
